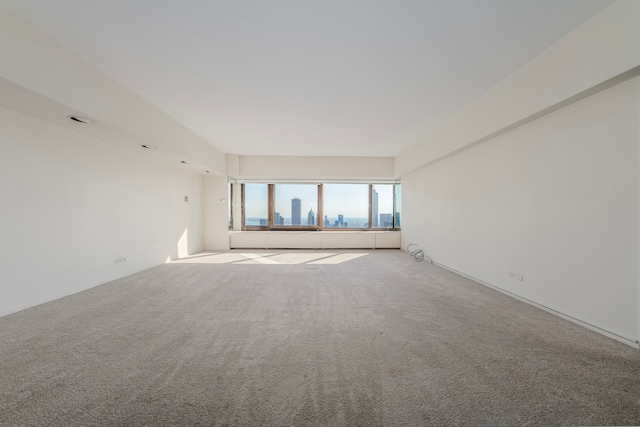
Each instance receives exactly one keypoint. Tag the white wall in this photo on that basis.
(556, 200)
(34, 60)
(602, 49)
(315, 239)
(216, 208)
(73, 204)
(320, 168)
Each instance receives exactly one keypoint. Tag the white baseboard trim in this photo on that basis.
(616, 336)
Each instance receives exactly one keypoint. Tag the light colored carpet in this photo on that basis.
(307, 338)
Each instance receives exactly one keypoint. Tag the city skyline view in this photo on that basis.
(345, 205)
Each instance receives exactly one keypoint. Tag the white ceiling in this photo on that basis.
(296, 77)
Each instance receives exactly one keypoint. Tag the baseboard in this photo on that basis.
(69, 292)
(616, 336)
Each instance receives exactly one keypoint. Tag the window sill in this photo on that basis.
(309, 239)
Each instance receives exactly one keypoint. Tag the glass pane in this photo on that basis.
(229, 204)
(256, 205)
(398, 205)
(382, 206)
(296, 204)
(346, 205)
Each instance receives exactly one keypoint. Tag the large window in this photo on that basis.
(330, 206)
(255, 205)
(230, 205)
(296, 205)
(383, 206)
(398, 206)
(346, 206)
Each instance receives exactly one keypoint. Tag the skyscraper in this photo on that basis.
(386, 220)
(311, 218)
(340, 220)
(374, 210)
(296, 211)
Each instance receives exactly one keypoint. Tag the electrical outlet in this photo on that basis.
(516, 276)
(120, 260)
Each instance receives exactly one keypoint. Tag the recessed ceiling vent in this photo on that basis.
(79, 119)
(149, 147)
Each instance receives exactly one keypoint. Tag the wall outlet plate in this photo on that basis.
(516, 276)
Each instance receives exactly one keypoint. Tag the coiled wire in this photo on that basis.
(418, 254)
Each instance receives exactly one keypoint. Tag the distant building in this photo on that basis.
(277, 219)
(374, 209)
(296, 211)
(386, 220)
(326, 221)
(311, 218)
(264, 221)
(340, 220)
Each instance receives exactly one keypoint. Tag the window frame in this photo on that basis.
(243, 211)
(369, 208)
(271, 226)
(272, 211)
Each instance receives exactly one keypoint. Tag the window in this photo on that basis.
(255, 205)
(346, 206)
(230, 205)
(382, 206)
(397, 206)
(296, 205)
(329, 206)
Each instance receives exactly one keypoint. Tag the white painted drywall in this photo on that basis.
(216, 208)
(31, 58)
(315, 239)
(556, 200)
(601, 49)
(320, 168)
(72, 204)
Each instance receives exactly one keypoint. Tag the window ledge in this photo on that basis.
(325, 239)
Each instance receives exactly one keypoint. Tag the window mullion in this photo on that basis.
(242, 208)
(272, 208)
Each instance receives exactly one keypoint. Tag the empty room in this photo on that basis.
(312, 213)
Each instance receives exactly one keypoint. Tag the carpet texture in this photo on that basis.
(307, 338)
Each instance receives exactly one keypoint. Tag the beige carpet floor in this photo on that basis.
(307, 338)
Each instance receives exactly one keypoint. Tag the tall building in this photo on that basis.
(296, 211)
(326, 221)
(340, 220)
(277, 219)
(311, 218)
(374, 209)
(386, 220)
